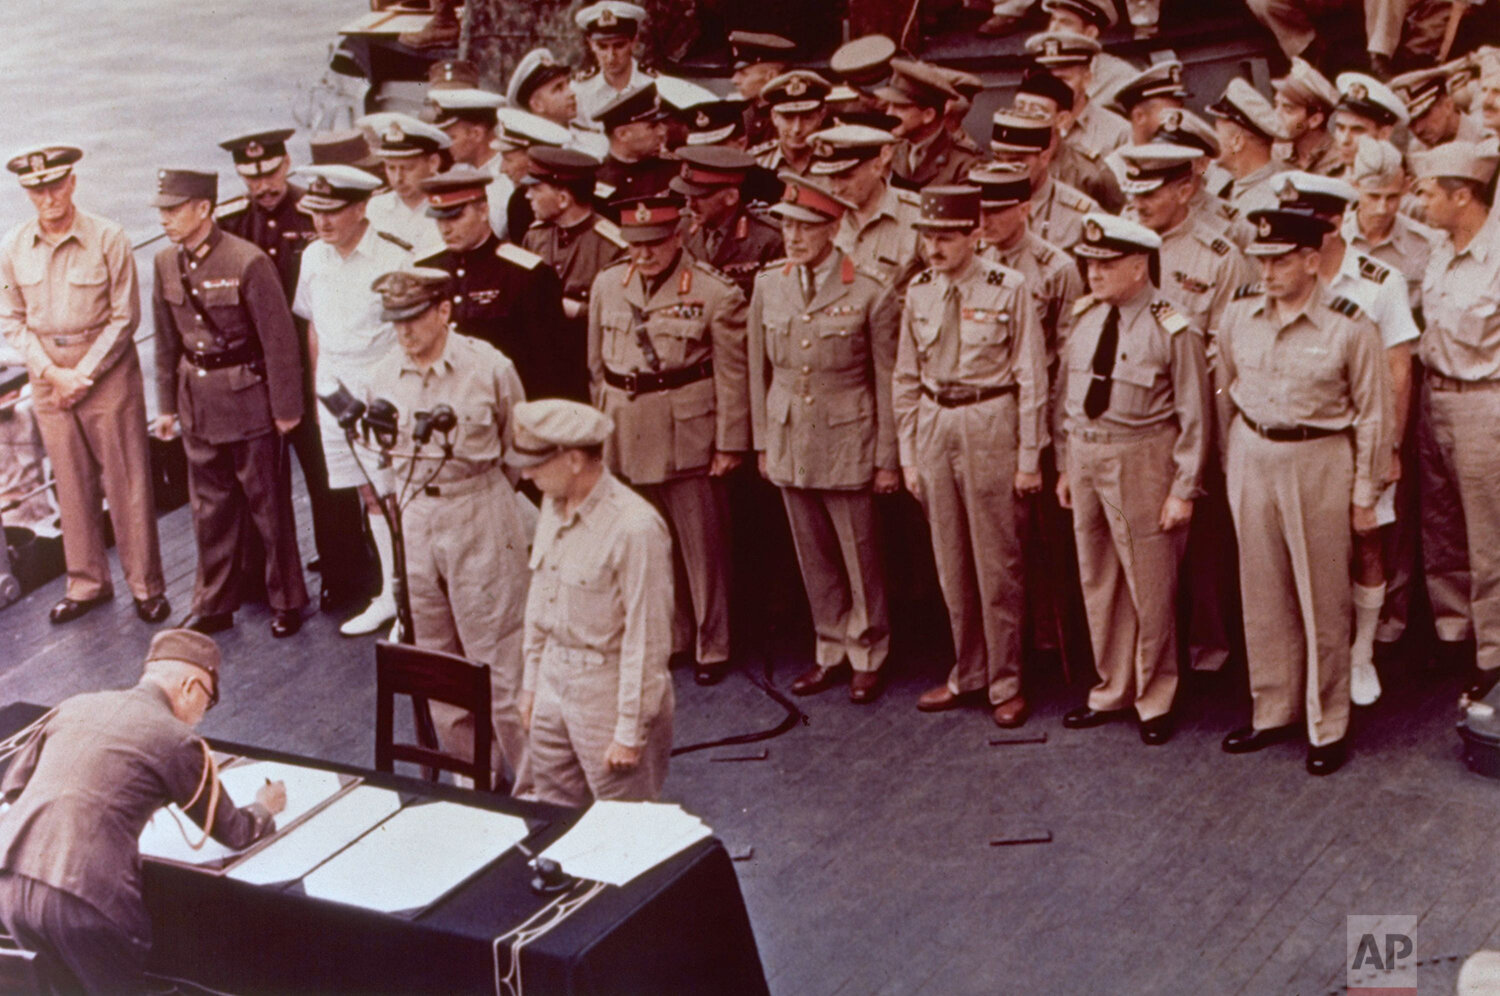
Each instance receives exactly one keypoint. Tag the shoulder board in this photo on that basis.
(1083, 304)
(538, 223)
(395, 240)
(1167, 317)
(1228, 210)
(604, 191)
(995, 277)
(1043, 254)
(908, 197)
(610, 232)
(524, 258)
(762, 148)
(924, 277)
(1371, 270)
(231, 209)
(1220, 246)
(1077, 200)
(1247, 290)
(1344, 306)
(713, 271)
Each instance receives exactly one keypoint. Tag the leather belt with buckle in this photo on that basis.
(956, 397)
(1290, 434)
(239, 355)
(647, 382)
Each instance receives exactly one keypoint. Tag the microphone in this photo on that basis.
(382, 420)
(345, 408)
(441, 419)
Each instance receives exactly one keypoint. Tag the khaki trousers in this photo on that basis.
(1127, 564)
(573, 724)
(1291, 513)
(98, 450)
(1460, 457)
(966, 465)
(467, 576)
(697, 513)
(1291, 22)
(834, 534)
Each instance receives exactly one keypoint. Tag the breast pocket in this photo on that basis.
(693, 425)
(1133, 390)
(678, 341)
(477, 435)
(986, 335)
(88, 274)
(588, 596)
(1479, 319)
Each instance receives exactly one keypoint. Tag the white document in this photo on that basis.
(327, 832)
(615, 842)
(1385, 506)
(166, 836)
(415, 857)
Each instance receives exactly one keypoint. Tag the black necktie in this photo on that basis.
(1096, 402)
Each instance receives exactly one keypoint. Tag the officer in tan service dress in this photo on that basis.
(1057, 208)
(917, 96)
(878, 233)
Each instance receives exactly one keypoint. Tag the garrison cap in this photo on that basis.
(610, 17)
(348, 146)
(917, 83)
(841, 148)
(710, 168)
(808, 199)
(1370, 98)
(189, 647)
(864, 61)
(1307, 87)
(39, 167)
(1420, 90)
(1062, 48)
(1000, 185)
(1041, 83)
(1245, 106)
(1097, 12)
(334, 187)
(1011, 132)
(751, 47)
(648, 219)
(407, 293)
(1108, 236)
(1180, 126)
(1377, 160)
(560, 167)
(1149, 166)
(175, 187)
(1456, 160)
(402, 136)
(457, 74)
(1163, 79)
(798, 91)
(536, 69)
(1302, 191)
(453, 106)
(640, 104)
(544, 428)
(517, 129)
(1279, 231)
(449, 191)
(714, 121)
(949, 208)
(259, 152)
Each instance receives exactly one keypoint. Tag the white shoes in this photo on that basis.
(1364, 684)
(379, 612)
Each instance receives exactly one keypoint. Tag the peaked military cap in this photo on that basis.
(1246, 107)
(1101, 13)
(648, 219)
(917, 83)
(449, 191)
(348, 146)
(1149, 166)
(1420, 90)
(1108, 236)
(175, 187)
(714, 121)
(710, 168)
(640, 104)
(1164, 79)
(864, 61)
(1041, 83)
(1370, 98)
(560, 167)
(258, 153)
(49, 164)
(751, 47)
(796, 92)
(544, 428)
(1181, 126)
(1306, 86)
(1279, 231)
(808, 199)
(1300, 190)
(610, 17)
(334, 187)
(457, 105)
(519, 129)
(407, 293)
(459, 74)
(1062, 48)
(536, 69)
(841, 148)
(402, 136)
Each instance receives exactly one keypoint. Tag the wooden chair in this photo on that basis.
(423, 675)
(18, 971)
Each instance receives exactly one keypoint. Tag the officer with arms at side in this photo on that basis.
(722, 229)
(81, 790)
(609, 28)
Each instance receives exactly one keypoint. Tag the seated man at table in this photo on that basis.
(596, 697)
(82, 788)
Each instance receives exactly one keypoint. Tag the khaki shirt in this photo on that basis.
(820, 375)
(1254, 190)
(1082, 159)
(74, 303)
(1057, 211)
(1110, 72)
(1200, 269)
(1220, 214)
(1461, 302)
(1324, 369)
(998, 343)
(1160, 374)
(885, 243)
(1051, 276)
(1406, 249)
(477, 381)
(772, 157)
(601, 595)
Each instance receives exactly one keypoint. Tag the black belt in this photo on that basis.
(1293, 434)
(956, 397)
(645, 382)
(245, 352)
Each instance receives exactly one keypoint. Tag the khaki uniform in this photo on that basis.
(1081, 159)
(687, 330)
(886, 243)
(1323, 370)
(598, 635)
(1200, 269)
(1216, 213)
(1321, 158)
(1152, 441)
(771, 157)
(1406, 249)
(22, 466)
(739, 247)
(76, 304)
(820, 376)
(1254, 190)
(576, 253)
(1460, 463)
(960, 337)
(465, 535)
(938, 160)
(1057, 211)
(1053, 279)
(1110, 73)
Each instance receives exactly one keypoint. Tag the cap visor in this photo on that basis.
(689, 189)
(1140, 186)
(798, 213)
(1271, 248)
(521, 459)
(169, 200)
(1100, 252)
(311, 203)
(643, 234)
(944, 225)
(891, 95)
(833, 167)
(451, 211)
(408, 312)
(711, 137)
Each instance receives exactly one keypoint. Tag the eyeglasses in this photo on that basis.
(211, 691)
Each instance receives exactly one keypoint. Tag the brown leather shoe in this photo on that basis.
(1012, 713)
(940, 698)
(865, 687)
(818, 679)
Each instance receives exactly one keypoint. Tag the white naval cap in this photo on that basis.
(521, 129)
(1370, 98)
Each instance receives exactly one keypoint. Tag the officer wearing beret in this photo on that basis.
(412, 151)
(970, 398)
(928, 153)
(1248, 127)
(85, 782)
(229, 369)
(597, 697)
(1305, 372)
(502, 294)
(878, 233)
(796, 101)
(634, 124)
(609, 29)
(464, 530)
(757, 57)
(822, 345)
(1057, 208)
(1366, 107)
(1304, 100)
(722, 229)
(69, 304)
(666, 357)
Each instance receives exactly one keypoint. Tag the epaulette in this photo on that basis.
(395, 240)
(538, 223)
(604, 191)
(610, 232)
(1247, 290)
(1220, 246)
(1373, 271)
(1083, 304)
(1167, 317)
(765, 268)
(712, 270)
(1228, 211)
(924, 277)
(524, 258)
(1044, 254)
(995, 278)
(908, 197)
(1075, 199)
(1344, 306)
(762, 148)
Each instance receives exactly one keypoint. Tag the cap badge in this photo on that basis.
(1359, 91)
(320, 185)
(796, 86)
(1172, 120)
(642, 213)
(823, 149)
(1288, 191)
(37, 162)
(1092, 232)
(702, 120)
(1264, 228)
(607, 18)
(1175, 75)
(254, 150)
(1051, 47)
(394, 135)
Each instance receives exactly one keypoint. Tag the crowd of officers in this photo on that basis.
(1122, 345)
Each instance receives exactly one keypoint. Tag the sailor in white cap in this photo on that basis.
(412, 150)
(543, 86)
(610, 28)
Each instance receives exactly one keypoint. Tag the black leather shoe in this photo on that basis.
(1481, 683)
(154, 609)
(335, 600)
(209, 622)
(1327, 759)
(710, 674)
(69, 609)
(1157, 730)
(1084, 718)
(285, 623)
(1247, 739)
